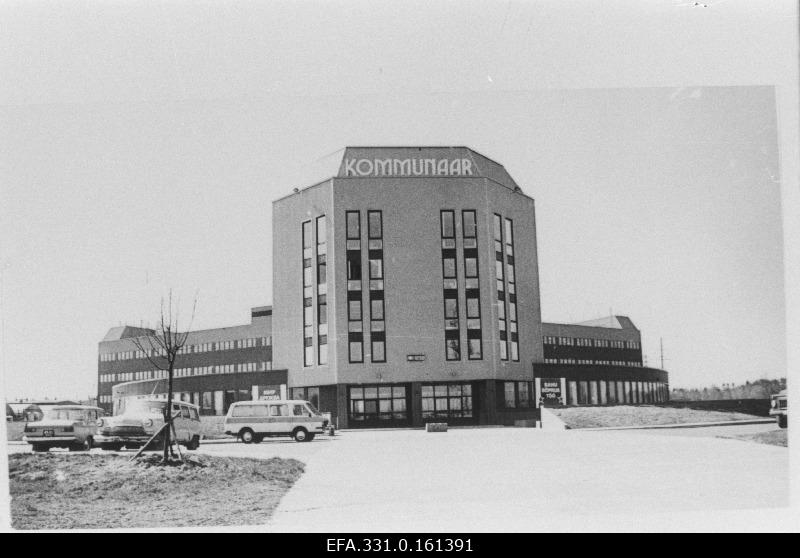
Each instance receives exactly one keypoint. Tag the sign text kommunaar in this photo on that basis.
(408, 167)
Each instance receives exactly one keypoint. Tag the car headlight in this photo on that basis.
(774, 403)
(147, 422)
(100, 422)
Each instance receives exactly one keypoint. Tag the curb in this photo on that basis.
(679, 425)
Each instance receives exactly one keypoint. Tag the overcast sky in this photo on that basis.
(143, 143)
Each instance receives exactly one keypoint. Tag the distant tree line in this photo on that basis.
(760, 389)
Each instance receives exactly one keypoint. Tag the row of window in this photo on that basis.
(190, 349)
(315, 265)
(602, 392)
(591, 361)
(506, 288)
(186, 372)
(450, 284)
(586, 342)
(355, 288)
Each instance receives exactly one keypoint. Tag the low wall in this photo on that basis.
(757, 407)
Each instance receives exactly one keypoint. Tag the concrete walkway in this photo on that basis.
(515, 479)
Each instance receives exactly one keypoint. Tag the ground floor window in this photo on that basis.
(446, 401)
(517, 395)
(310, 394)
(378, 403)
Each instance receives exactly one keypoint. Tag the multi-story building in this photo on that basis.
(406, 289)
(598, 362)
(215, 367)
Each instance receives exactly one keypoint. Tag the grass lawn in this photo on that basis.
(71, 491)
(772, 438)
(626, 415)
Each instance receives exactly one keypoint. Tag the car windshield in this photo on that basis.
(62, 414)
(146, 407)
(311, 408)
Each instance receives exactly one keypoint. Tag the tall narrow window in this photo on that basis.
(322, 292)
(512, 290)
(452, 331)
(501, 289)
(308, 288)
(377, 319)
(472, 284)
(355, 328)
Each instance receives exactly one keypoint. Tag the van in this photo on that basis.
(64, 426)
(252, 421)
(779, 408)
(142, 418)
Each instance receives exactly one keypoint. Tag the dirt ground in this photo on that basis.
(71, 491)
(627, 415)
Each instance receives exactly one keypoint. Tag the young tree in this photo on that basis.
(162, 348)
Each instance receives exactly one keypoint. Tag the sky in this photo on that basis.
(143, 143)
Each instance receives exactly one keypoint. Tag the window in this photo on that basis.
(500, 278)
(376, 292)
(452, 339)
(446, 401)
(378, 403)
(353, 225)
(512, 296)
(322, 289)
(448, 224)
(279, 410)
(355, 329)
(378, 351)
(356, 351)
(375, 224)
(308, 310)
(510, 395)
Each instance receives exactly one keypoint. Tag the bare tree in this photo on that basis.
(162, 348)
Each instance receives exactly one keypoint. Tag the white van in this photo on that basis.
(252, 421)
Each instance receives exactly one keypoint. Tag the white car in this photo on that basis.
(142, 418)
(252, 421)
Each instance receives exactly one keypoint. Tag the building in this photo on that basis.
(405, 291)
(598, 362)
(403, 287)
(216, 367)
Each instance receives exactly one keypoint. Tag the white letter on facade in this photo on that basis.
(369, 167)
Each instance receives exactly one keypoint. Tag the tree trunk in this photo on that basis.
(168, 412)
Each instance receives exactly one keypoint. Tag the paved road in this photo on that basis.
(514, 478)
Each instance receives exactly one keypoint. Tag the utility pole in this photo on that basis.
(662, 353)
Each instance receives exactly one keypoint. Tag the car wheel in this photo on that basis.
(37, 448)
(246, 436)
(88, 443)
(109, 447)
(300, 435)
(783, 421)
(194, 443)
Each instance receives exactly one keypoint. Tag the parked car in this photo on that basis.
(142, 418)
(64, 426)
(778, 409)
(252, 421)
